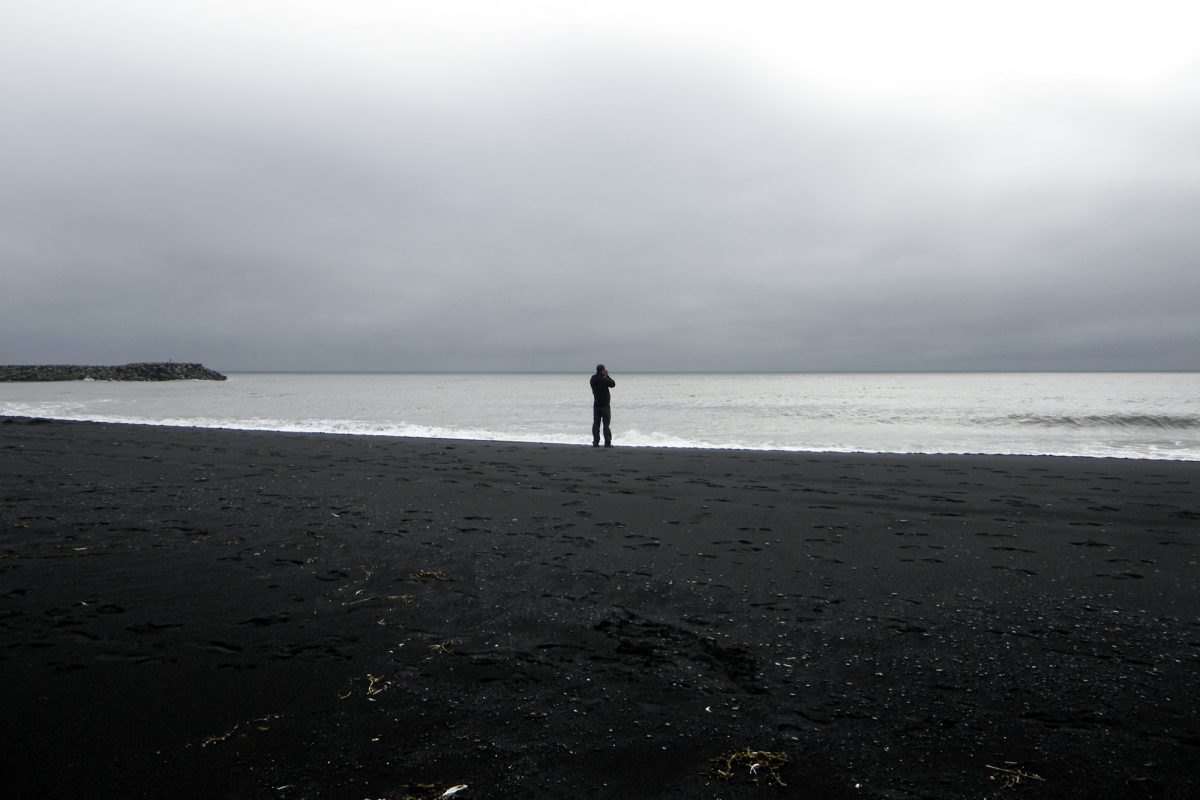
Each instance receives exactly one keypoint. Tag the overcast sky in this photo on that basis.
(676, 186)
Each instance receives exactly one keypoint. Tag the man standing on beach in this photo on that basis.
(601, 405)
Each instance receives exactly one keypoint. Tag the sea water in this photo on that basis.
(1132, 415)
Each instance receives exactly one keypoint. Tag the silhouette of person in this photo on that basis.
(601, 405)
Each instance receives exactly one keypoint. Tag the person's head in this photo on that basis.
(601, 369)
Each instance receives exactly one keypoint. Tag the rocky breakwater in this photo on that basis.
(149, 371)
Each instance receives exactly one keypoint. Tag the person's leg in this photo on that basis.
(596, 418)
(607, 418)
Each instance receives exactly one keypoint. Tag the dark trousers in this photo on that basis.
(601, 414)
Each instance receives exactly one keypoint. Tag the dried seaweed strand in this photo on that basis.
(1012, 777)
(760, 763)
(424, 574)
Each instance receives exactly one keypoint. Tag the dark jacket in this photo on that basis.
(600, 386)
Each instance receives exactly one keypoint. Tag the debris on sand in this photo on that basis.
(760, 765)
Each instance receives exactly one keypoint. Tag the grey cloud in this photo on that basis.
(655, 210)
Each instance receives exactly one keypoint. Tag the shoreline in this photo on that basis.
(206, 612)
(583, 443)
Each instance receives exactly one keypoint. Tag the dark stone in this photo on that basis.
(150, 371)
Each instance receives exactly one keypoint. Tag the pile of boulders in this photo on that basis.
(150, 371)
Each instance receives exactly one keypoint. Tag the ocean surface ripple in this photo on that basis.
(1126, 415)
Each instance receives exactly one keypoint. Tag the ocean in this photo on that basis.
(1126, 415)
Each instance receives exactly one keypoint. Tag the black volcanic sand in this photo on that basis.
(217, 614)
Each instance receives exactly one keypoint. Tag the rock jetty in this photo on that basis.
(147, 371)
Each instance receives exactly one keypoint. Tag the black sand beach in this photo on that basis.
(216, 614)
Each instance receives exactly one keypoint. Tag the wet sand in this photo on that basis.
(217, 614)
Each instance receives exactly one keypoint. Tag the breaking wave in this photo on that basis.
(1162, 422)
